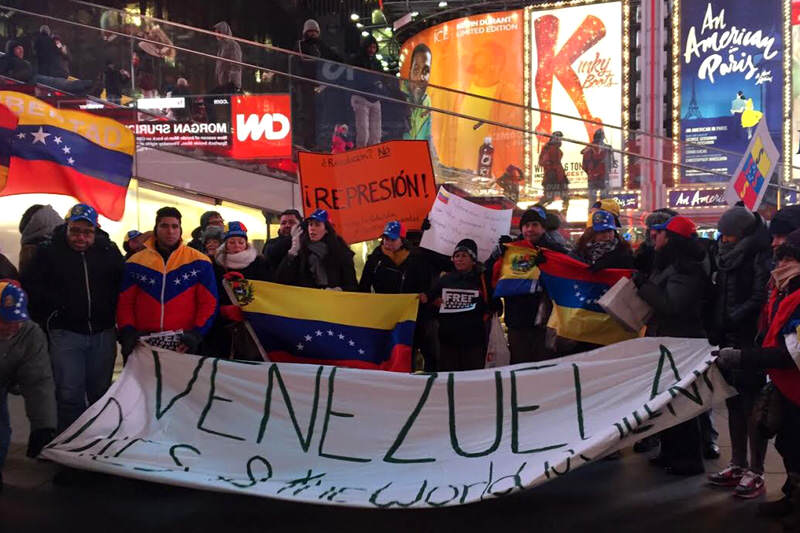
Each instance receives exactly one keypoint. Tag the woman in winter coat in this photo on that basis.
(779, 356)
(236, 258)
(318, 258)
(675, 290)
(464, 313)
(601, 245)
(743, 270)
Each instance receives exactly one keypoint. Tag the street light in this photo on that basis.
(414, 14)
(442, 4)
(359, 25)
(354, 17)
(365, 33)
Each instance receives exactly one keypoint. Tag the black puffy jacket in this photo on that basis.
(76, 291)
(383, 276)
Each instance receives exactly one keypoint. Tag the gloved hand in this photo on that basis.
(297, 231)
(128, 337)
(231, 312)
(191, 340)
(728, 358)
(38, 440)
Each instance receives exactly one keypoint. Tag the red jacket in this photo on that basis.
(181, 294)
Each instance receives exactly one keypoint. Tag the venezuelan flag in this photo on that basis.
(68, 152)
(8, 123)
(750, 181)
(517, 273)
(359, 330)
(575, 290)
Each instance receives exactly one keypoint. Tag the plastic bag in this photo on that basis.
(497, 353)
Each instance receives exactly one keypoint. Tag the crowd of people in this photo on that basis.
(76, 296)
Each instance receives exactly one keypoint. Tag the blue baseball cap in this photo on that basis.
(132, 234)
(394, 230)
(320, 215)
(83, 212)
(236, 229)
(13, 302)
(603, 221)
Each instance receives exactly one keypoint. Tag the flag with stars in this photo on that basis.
(8, 123)
(751, 178)
(575, 290)
(359, 330)
(68, 152)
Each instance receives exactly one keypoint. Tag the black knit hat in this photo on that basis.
(533, 214)
(469, 246)
(790, 247)
(785, 221)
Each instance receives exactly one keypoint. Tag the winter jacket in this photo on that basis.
(226, 72)
(521, 310)
(742, 275)
(676, 290)
(47, 55)
(381, 275)
(24, 361)
(368, 82)
(257, 270)
(75, 291)
(179, 294)
(276, 249)
(13, 67)
(619, 257)
(338, 264)
(466, 327)
(36, 227)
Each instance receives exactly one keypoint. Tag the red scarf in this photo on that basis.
(787, 380)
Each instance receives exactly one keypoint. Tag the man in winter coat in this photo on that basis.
(35, 227)
(73, 283)
(525, 321)
(675, 290)
(167, 287)
(743, 271)
(276, 248)
(24, 363)
(779, 356)
(367, 109)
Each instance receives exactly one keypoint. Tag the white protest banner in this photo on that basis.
(454, 218)
(749, 181)
(363, 438)
(459, 300)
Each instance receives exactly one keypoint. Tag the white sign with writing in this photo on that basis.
(459, 300)
(454, 218)
(341, 436)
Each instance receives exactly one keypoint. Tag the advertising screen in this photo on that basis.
(481, 55)
(576, 70)
(731, 74)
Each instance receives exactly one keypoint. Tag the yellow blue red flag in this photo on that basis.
(75, 153)
(518, 273)
(360, 330)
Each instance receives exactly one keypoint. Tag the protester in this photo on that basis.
(228, 69)
(25, 364)
(275, 249)
(35, 227)
(318, 257)
(526, 324)
(463, 328)
(606, 204)
(236, 258)
(134, 242)
(674, 289)
(367, 108)
(211, 240)
(209, 218)
(601, 246)
(394, 267)
(167, 287)
(73, 282)
(645, 253)
(783, 223)
(743, 266)
(779, 356)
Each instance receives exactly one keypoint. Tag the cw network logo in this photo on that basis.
(254, 127)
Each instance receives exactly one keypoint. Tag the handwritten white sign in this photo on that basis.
(454, 218)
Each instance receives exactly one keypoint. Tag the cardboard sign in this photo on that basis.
(364, 189)
(340, 436)
(454, 218)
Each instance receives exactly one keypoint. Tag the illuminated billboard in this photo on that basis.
(578, 64)
(480, 55)
(729, 71)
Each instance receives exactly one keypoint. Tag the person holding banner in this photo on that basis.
(463, 300)
(525, 316)
(778, 410)
(318, 257)
(674, 290)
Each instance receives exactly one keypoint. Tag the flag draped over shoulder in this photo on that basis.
(572, 287)
(360, 330)
(68, 152)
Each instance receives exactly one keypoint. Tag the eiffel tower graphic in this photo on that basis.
(694, 109)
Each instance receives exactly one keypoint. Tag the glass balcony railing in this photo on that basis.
(212, 97)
